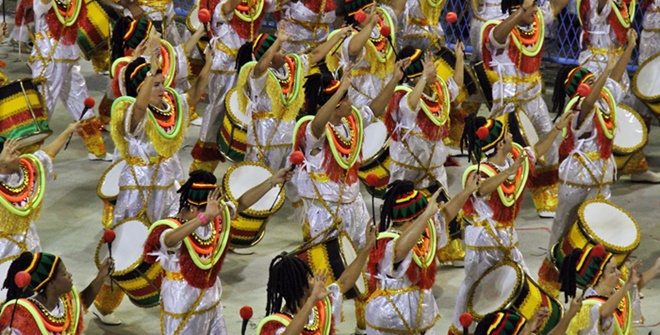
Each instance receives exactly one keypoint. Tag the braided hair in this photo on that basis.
(394, 189)
(198, 176)
(469, 139)
(18, 265)
(315, 95)
(559, 94)
(406, 52)
(287, 280)
(117, 41)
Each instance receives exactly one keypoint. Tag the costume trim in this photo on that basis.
(46, 325)
(68, 15)
(16, 219)
(321, 326)
(423, 257)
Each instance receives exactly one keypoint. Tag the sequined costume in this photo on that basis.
(307, 23)
(191, 290)
(492, 237)
(33, 318)
(54, 63)
(23, 22)
(516, 63)
(419, 25)
(19, 232)
(403, 301)
(325, 315)
(649, 43)
(230, 32)
(482, 11)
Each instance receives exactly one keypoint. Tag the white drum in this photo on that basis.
(108, 186)
(525, 134)
(646, 83)
(192, 20)
(631, 133)
(376, 140)
(376, 158)
(349, 254)
(609, 225)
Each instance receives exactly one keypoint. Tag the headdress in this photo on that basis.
(42, 270)
(254, 50)
(197, 188)
(319, 88)
(481, 135)
(353, 6)
(509, 6)
(135, 74)
(575, 77)
(416, 67)
(583, 268)
(128, 34)
(501, 323)
(408, 205)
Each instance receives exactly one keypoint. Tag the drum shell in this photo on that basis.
(232, 138)
(485, 79)
(649, 67)
(380, 166)
(23, 113)
(110, 175)
(94, 30)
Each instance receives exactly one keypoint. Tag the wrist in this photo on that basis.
(558, 128)
(202, 217)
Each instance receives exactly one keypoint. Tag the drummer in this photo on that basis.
(161, 13)
(417, 120)
(21, 180)
(513, 49)
(587, 166)
(493, 209)
(507, 322)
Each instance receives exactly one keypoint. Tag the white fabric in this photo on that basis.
(411, 33)
(649, 43)
(487, 10)
(301, 38)
(605, 326)
(336, 300)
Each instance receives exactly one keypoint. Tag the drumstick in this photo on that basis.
(296, 158)
(22, 280)
(89, 103)
(108, 237)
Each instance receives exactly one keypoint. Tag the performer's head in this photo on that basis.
(351, 7)
(501, 323)
(482, 136)
(255, 49)
(127, 34)
(194, 194)
(319, 88)
(402, 205)
(289, 280)
(415, 70)
(135, 75)
(567, 85)
(511, 6)
(48, 276)
(587, 268)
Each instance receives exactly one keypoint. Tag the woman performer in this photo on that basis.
(507, 322)
(419, 24)
(307, 23)
(482, 12)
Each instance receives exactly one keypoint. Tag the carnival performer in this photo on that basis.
(307, 23)
(22, 186)
(506, 322)
(371, 49)
(190, 247)
(605, 24)
(160, 12)
(482, 12)
(610, 304)
(417, 120)
(50, 304)
(148, 127)
(309, 305)
(23, 25)
(419, 24)
(513, 49)
(587, 167)
(402, 267)
(54, 63)
(493, 209)
(649, 43)
(234, 23)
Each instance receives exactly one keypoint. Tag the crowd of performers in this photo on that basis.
(336, 80)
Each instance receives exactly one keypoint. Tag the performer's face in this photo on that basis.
(158, 90)
(63, 281)
(611, 274)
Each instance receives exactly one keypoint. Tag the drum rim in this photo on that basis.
(383, 148)
(101, 243)
(630, 150)
(508, 301)
(45, 131)
(259, 213)
(261, 232)
(473, 67)
(520, 127)
(363, 276)
(230, 114)
(103, 176)
(193, 9)
(645, 98)
(589, 233)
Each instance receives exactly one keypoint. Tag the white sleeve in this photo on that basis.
(386, 264)
(47, 163)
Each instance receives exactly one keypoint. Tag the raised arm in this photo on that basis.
(651, 273)
(319, 53)
(92, 290)
(429, 76)
(301, 316)
(409, 237)
(612, 303)
(172, 238)
(622, 63)
(459, 67)
(195, 93)
(325, 112)
(229, 6)
(573, 309)
(379, 103)
(453, 206)
(192, 41)
(502, 31)
(144, 96)
(544, 144)
(347, 279)
(491, 184)
(557, 6)
(358, 41)
(54, 147)
(589, 102)
(253, 195)
(265, 60)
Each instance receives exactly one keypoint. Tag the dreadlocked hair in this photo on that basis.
(469, 137)
(117, 41)
(394, 189)
(559, 94)
(507, 5)
(244, 55)
(18, 265)
(568, 274)
(406, 52)
(287, 280)
(314, 86)
(197, 176)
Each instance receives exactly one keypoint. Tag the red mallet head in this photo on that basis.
(482, 132)
(360, 16)
(451, 17)
(297, 157)
(466, 320)
(22, 279)
(598, 251)
(89, 102)
(385, 31)
(584, 90)
(109, 236)
(246, 312)
(204, 15)
(372, 179)
(3, 64)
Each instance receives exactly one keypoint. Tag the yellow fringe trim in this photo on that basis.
(13, 223)
(580, 321)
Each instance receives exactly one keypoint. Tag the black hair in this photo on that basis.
(559, 94)
(117, 47)
(287, 280)
(132, 90)
(406, 52)
(314, 86)
(469, 137)
(568, 274)
(18, 265)
(197, 176)
(244, 55)
(394, 189)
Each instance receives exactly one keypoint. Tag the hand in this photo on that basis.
(346, 77)
(372, 234)
(433, 206)
(516, 164)
(372, 16)
(136, 11)
(634, 278)
(140, 49)
(459, 50)
(284, 174)
(9, 156)
(282, 36)
(631, 35)
(574, 307)
(565, 119)
(527, 4)
(319, 291)
(430, 73)
(107, 268)
(153, 46)
(208, 55)
(212, 206)
(537, 320)
(344, 32)
(3, 27)
(400, 68)
(612, 58)
(472, 183)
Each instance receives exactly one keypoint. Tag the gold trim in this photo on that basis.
(595, 239)
(102, 179)
(654, 99)
(101, 243)
(251, 212)
(520, 275)
(629, 150)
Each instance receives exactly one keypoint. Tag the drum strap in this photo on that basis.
(424, 167)
(336, 220)
(145, 198)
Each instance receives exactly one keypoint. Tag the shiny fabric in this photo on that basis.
(486, 10)
(28, 241)
(432, 154)
(166, 16)
(336, 300)
(306, 29)
(412, 33)
(649, 43)
(178, 297)
(605, 326)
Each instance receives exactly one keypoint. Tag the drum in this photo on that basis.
(506, 286)
(192, 22)
(376, 150)
(249, 226)
(139, 280)
(23, 113)
(445, 62)
(600, 222)
(485, 78)
(630, 136)
(646, 83)
(232, 138)
(108, 186)
(94, 30)
(335, 255)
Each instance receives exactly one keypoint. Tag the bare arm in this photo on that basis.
(460, 64)
(300, 317)
(489, 185)
(502, 31)
(612, 303)
(379, 103)
(347, 279)
(54, 147)
(89, 293)
(409, 237)
(229, 6)
(544, 144)
(557, 6)
(649, 274)
(253, 195)
(319, 53)
(428, 78)
(590, 100)
(144, 95)
(192, 41)
(265, 60)
(358, 41)
(622, 63)
(195, 93)
(325, 112)
(573, 309)
(453, 206)
(172, 238)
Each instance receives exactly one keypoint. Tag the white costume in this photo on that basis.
(307, 28)
(482, 11)
(420, 26)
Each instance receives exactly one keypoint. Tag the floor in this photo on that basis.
(70, 226)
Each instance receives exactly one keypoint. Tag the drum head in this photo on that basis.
(525, 135)
(192, 20)
(108, 187)
(496, 289)
(128, 245)
(245, 175)
(375, 140)
(349, 253)
(646, 82)
(631, 132)
(609, 225)
(234, 111)
(35, 138)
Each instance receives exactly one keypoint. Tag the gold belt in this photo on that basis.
(173, 275)
(140, 162)
(263, 115)
(533, 78)
(311, 25)
(604, 51)
(224, 48)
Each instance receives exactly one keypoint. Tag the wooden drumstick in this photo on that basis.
(108, 237)
(296, 158)
(89, 104)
